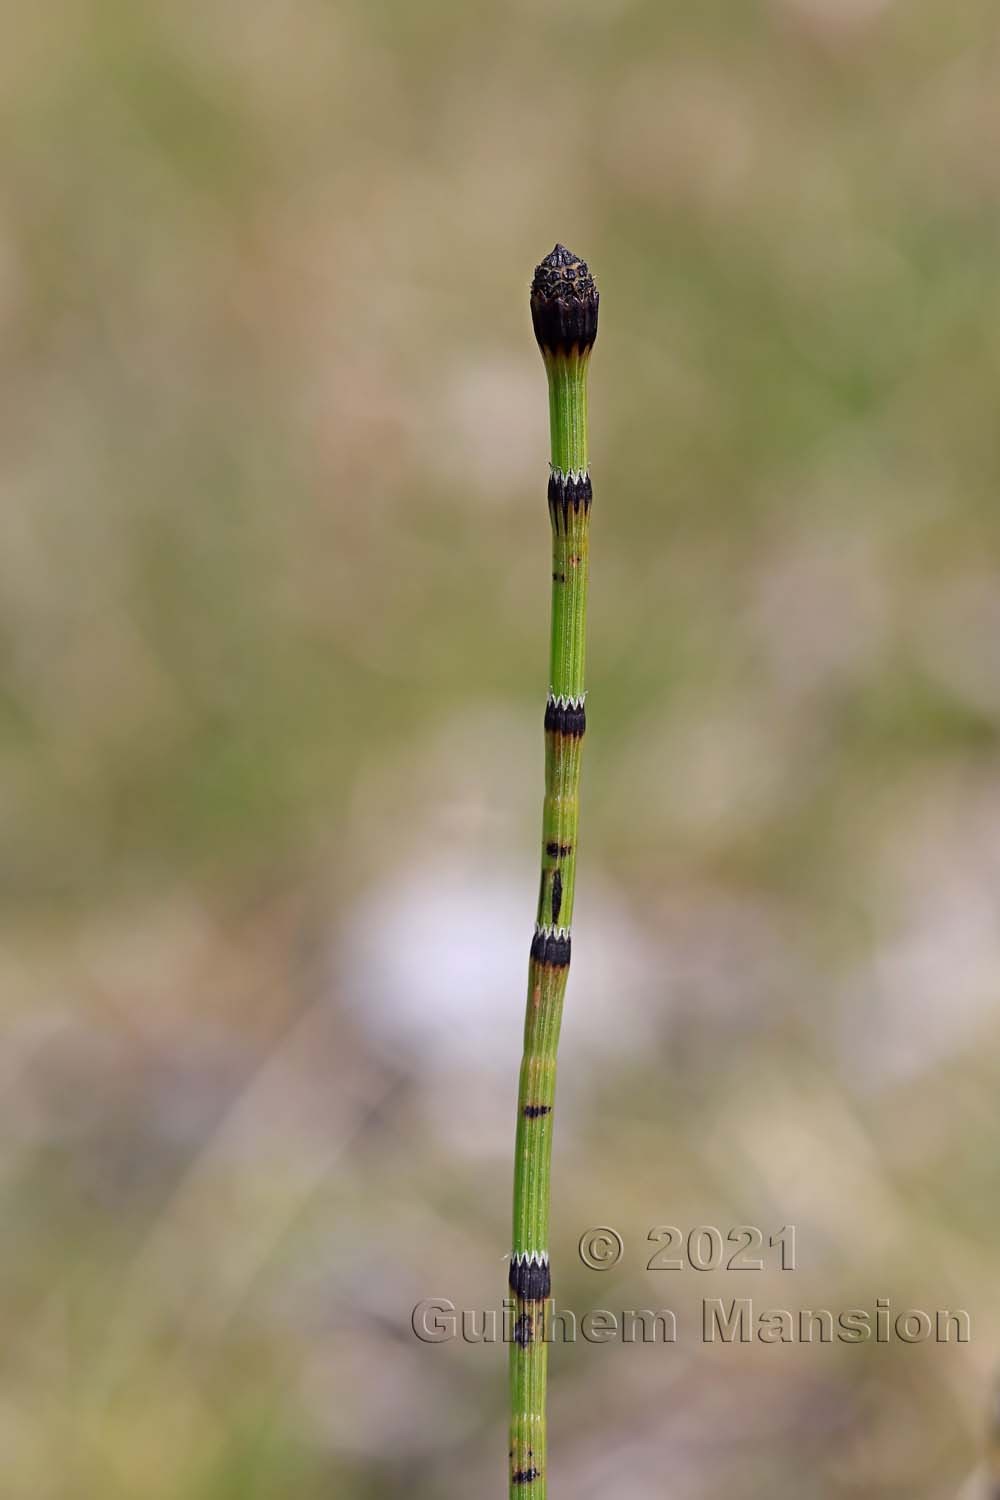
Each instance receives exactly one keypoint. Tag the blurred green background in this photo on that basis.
(273, 609)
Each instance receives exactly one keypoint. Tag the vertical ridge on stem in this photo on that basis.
(564, 305)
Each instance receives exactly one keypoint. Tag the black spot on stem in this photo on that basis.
(524, 1331)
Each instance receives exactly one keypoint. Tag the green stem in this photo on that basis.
(564, 310)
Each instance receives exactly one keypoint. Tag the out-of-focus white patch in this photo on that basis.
(429, 964)
(434, 967)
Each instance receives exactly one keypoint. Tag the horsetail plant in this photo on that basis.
(564, 303)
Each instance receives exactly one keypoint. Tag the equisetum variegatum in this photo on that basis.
(564, 303)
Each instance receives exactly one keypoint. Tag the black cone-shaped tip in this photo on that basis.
(564, 302)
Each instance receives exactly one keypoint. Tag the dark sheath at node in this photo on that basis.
(568, 492)
(530, 1280)
(565, 718)
(551, 948)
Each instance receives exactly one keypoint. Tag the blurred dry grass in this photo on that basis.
(273, 610)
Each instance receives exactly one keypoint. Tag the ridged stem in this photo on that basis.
(569, 497)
